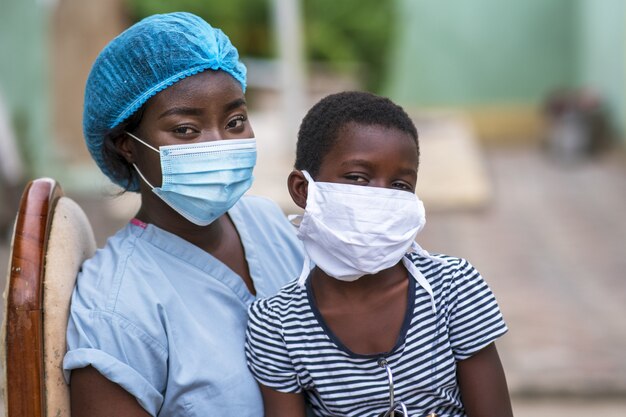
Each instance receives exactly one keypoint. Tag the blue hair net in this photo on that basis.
(143, 60)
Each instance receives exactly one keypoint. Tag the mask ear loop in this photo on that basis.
(421, 280)
(308, 177)
(419, 277)
(295, 220)
(306, 266)
(134, 165)
(416, 248)
(306, 270)
(141, 141)
(142, 177)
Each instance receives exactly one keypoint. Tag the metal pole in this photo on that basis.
(288, 30)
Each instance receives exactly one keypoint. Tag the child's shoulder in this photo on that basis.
(438, 267)
(437, 261)
(289, 299)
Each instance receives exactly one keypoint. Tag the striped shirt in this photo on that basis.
(290, 349)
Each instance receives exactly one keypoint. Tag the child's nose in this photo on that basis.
(380, 183)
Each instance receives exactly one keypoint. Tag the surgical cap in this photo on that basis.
(146, 58)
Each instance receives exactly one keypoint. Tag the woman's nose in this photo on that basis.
(210, 135)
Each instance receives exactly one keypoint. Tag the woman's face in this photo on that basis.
(204, 107)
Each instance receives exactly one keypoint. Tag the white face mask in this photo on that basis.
(350, 230)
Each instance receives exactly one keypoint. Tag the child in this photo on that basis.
(378, 323)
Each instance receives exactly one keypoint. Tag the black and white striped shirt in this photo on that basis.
(290, 349)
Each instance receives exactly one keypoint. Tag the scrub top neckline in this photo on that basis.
(196, 256)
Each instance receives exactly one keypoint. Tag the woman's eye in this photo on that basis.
(183, 130)
(236, 122)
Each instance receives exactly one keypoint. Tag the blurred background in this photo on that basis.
(521, 111)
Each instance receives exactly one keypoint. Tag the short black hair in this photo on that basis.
(320, 127)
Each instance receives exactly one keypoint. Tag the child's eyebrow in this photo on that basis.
(367, 164)
(363, 162)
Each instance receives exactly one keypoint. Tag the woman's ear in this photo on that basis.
(125, 146)
(298, 188)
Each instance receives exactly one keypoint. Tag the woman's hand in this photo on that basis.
(483, 385)
(92, 395)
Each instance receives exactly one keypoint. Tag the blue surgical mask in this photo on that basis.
(202, 181)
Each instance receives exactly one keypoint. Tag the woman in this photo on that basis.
(158, 316)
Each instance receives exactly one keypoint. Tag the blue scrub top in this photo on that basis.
(166, 320)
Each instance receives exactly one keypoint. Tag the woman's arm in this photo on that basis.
(92, 395)
(483, 385)
(280, 404)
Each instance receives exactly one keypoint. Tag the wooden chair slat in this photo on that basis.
(24, 303)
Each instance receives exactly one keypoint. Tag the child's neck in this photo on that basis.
(366, 314)
(363, 288)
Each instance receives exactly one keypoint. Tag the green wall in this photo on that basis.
(491, 52)
(602, 53)
(24, 79)
(453, 52)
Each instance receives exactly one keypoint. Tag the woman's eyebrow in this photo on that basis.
(184, 111)
(240, 102)
(196, 111)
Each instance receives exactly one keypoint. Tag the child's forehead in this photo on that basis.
(354, 125)
(366, 141)
(355, 134)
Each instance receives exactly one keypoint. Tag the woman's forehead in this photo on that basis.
(208, 87)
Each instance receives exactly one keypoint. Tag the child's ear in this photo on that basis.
(298, 188)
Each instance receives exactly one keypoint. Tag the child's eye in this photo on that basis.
(236, 122)
(399, 185)
(360, 179)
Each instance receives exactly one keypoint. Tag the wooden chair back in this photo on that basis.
(52, 236)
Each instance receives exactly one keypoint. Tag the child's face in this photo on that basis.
(371, 155)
